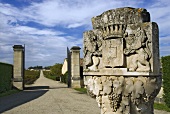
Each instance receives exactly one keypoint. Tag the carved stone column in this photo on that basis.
(121, 61)
(18, 69)
(75, 67)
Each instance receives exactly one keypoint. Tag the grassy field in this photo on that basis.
(82, 90)
(6, 73)
(9, 92)
(159, 106)
(31, 76)
(49, 76)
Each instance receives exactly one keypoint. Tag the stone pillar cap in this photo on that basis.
(75, 48)
(18, 47)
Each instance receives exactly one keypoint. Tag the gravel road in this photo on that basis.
(50, 97)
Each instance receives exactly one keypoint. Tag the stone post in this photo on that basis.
(121, 61)
(75, 67)
(18, 69)
(69, 67)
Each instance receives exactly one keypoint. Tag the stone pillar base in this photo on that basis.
(18, 69)
(76, 82)
(75, 67)
(124, 95)
(18, 85)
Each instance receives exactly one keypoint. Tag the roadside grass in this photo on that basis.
(160, 106)
(31, 76)
(82, 90)
(13, 91)
(49, 76)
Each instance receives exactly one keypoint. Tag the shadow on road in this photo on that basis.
(36, 87)
(29, 94)
(57, 87)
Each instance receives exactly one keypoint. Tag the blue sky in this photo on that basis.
(48, 27)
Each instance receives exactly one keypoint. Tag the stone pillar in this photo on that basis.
(121, 61)
(69, 67)
(75, 67)
(18, 69)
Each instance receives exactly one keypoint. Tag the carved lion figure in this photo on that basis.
(137, 49)
(92, 50)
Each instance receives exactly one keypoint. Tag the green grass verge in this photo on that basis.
(31, 76)
(82, 90)
(159, 106)
(6, 72)
(49, 76)
(9, 92)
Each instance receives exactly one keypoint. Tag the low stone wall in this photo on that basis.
(6, 73)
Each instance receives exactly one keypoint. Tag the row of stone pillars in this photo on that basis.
(73, 67)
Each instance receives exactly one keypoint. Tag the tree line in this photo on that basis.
(39, 67)
(55, 70)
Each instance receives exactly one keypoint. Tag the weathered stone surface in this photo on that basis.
(75, 67)
(137, 50)
(121, 94)
(121, 61)
(18, 66)
(120, 16)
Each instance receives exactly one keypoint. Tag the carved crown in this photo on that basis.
(113, 31)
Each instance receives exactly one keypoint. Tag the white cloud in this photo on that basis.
(165, 40)
(160, 13)
(165, 46)
(76, 13)
(165, 50)
(48, 44)
(71, 13)
(34, 31)
(41, 44)
(63, 12)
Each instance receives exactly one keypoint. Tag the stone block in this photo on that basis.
(18, 69)
(121, 61)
